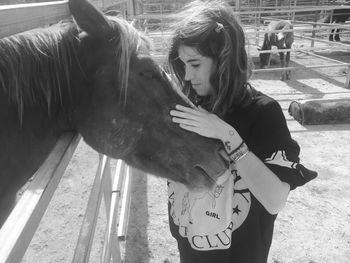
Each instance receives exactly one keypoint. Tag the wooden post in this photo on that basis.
(313, 35)
(293, 14)
(238, 9)
(257, 22)
(131, 8)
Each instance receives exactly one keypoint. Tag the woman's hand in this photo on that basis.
(204, 123)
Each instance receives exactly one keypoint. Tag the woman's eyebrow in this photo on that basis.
(193, 60)
(189, 60)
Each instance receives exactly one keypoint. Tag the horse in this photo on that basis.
(282, 40)
(336, 16)
(94, 75)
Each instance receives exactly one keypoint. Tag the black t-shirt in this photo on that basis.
(263, 127)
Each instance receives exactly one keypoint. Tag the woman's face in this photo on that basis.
(198, 70)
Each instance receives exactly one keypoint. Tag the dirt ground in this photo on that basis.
(314, 227)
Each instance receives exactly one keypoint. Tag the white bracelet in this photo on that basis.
(241, 151)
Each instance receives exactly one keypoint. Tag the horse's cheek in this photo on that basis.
(108, 132)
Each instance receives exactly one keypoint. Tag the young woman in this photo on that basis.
(233, 221)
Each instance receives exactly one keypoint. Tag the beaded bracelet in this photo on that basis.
(238, 153)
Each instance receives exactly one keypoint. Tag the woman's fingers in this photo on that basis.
(199, 121)
(194, 120)
(185, 121)
(185, 115)
(178, 116)
(189, 113)
(189, 128)
(177, 113)
(187, 109)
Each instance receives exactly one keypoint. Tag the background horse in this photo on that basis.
(99, 80)
(282, 40)
(336, 16)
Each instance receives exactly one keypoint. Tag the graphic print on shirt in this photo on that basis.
(207, 219)
(188, 204)
(280, 158)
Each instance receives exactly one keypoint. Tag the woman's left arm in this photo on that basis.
(270, 191)
(267, 188)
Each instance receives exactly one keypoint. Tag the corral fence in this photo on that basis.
(151, 16)
(111, 186)
(311, 36)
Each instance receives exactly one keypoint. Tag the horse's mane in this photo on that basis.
(36, 65)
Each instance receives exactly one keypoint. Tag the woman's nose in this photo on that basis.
(188, 74)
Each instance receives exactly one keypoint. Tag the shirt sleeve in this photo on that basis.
(273, 144)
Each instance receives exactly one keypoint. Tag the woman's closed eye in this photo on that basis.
(195, 65)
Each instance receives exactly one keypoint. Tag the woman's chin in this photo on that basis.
(201, 93)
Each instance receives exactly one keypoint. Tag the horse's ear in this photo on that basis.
(88, 18)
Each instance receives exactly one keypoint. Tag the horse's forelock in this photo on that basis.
(130, 42)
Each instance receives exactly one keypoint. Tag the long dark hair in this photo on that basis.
(212, 28)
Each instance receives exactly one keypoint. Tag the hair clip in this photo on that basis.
(219, 27)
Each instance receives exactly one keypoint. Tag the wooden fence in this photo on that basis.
(21, 225)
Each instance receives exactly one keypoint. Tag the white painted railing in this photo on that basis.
(19, 228)
(21, 225)
(112, 187)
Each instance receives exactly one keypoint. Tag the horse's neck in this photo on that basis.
(24, 146)
(34, 121)
(28, 131)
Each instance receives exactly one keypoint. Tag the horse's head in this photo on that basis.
(123, 101)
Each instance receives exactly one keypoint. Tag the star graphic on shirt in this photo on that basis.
(236, 210)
